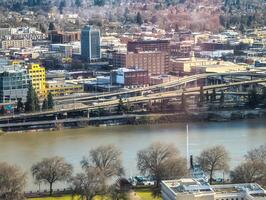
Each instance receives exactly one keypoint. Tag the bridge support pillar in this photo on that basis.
(88, 113)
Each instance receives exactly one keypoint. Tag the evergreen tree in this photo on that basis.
(253, 98)
(50, 101)
(120, 107)
(45, 104)
(78, 3)
(207, 96)
(183, 101)
(222, 97)
(139, 20)
(30, 102)
(2, 110)
(20, 106)
(213, 95)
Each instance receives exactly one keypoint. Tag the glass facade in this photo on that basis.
(90, 43)
(14, 82)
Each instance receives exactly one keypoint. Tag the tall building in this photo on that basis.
(37, 76)
(13, 83)
(90, 43)
(155, 62)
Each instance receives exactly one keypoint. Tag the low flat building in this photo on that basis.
(60, 88)
(192, 189)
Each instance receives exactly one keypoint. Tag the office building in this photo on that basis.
(6, 44)
(198, 189)
(63, 37)
(37, 76)
(13, 83)
(90, 44)
(155, 62)
(130, 77)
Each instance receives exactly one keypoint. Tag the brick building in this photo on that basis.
(149, 45)
(63, 37)
(155, 62)
(130, 77)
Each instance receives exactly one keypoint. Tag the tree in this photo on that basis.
(253, 169)
(45, 104)
(183, 101)
(139, 20)
(120, 106)
(51, 170)
(214, 159)
(106, 159)
(253, 98)
(249, 172)
(62, 5)
(207, 96)
(161, 161)
(213, 95)
(115, 194)
(201, 96)
(222, 97)
(50, 101)
(32, 102)
(20, 106)
(78, 3)
(99, 2)
(87, 184)
(12, 182)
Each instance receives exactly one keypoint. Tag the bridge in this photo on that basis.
(159, 95)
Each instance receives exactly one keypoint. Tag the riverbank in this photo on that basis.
(149, 118)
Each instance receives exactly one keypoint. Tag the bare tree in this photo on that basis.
(107, 159)
(257, 154)
(51, 170)
(214, 159)
(249, 172)
(253, 169)
(162, 161)
(87, 184)
(12, 182)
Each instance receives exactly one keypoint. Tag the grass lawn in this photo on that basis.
(65, 198)
(145, 194)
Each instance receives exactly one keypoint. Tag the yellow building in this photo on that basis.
(60, 88)
(37, 75)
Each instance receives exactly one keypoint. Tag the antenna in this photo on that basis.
(188, 160)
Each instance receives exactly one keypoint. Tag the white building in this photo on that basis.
(192, 189)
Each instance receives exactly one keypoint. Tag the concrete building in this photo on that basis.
(6, 44)
(63, 37)
(148, 45)
(155, 62)
(65, 49)
(130, 77)
(192, 189)
(37, 76)
(90, 43)
(60, 88)
(185, 64)
(13, 83)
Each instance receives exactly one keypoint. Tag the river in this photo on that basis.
(25, 149)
